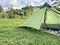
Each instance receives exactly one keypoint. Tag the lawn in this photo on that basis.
(11, 34)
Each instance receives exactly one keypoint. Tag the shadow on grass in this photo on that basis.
(35, 31)
(28, 29)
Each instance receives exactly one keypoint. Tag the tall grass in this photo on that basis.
(11, 34)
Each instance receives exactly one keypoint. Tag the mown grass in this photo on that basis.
(11, 34)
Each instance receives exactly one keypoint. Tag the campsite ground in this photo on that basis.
(11, 34)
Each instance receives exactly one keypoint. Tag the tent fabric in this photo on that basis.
(35, 19)
(52, 19)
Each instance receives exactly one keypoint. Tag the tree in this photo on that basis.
(52, 0)
(2, 12)
(28, 10)
(1, 9)
(56, 4)
(11, 14)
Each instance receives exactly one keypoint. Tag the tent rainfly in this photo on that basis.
(44, 17)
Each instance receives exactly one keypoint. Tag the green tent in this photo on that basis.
(44, 17)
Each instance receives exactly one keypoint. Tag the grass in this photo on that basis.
(11, 34)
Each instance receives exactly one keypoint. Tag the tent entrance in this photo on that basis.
(51, 20)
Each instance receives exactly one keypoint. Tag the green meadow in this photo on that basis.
(11, 34)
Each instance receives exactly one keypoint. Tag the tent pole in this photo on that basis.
(45, 15)
(44, 20)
